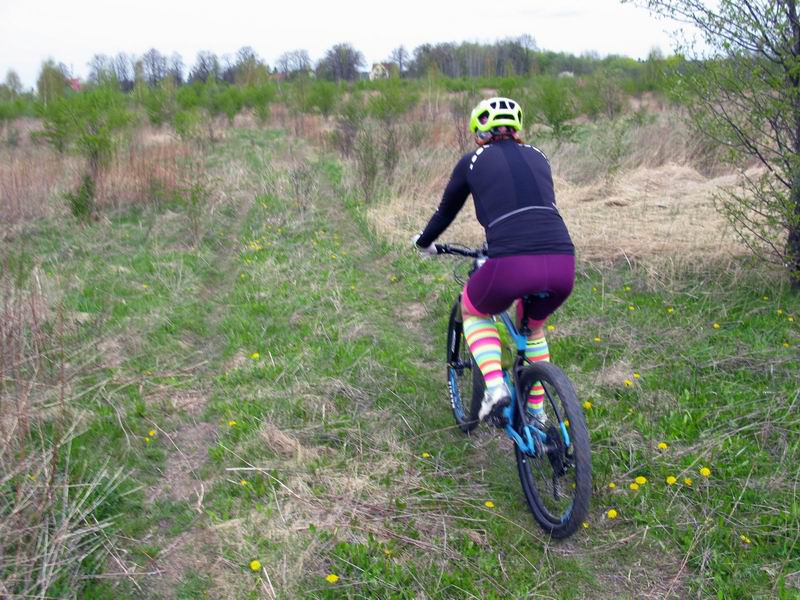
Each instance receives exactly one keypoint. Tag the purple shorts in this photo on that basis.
(494, 287)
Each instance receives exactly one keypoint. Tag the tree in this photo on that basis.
(291, 63)
(101, 69)
(175, 69)
(123, 69)
(13, 84)
(88, 123)
(51, 83)
(341, 62)
(206, 67)
(155, 67)
(399, 56)
(743, 93)
(249, 70)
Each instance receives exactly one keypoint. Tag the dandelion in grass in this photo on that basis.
(634, 486)
(636, 376)
(631, 307)
(425, 455)
(585, 524)
(145, 286)
(779, 311)
(627, 288)
(670, 310)
(671, 480)
(594, 289)
(765, 298)
(745, 540)
(598, 339)
(333, 256)
(587, 405)
(489, 504)
(612, 486)
(663, 445)
(393, 278)
(255, 355)
(551, 328)
(244, 482)
(147, 440)
(612, 514)
(628, 382)
(688, 481)
(790, 319)
(151, 433)
(641, 480)
(231, 423)
(785, 344)
(716, 326)
(332, 578)
(255, 565)
(705, 471)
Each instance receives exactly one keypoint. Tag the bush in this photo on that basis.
(81, 201)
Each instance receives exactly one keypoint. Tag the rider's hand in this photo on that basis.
(424, 252)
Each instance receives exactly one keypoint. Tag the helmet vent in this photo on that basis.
(503, 104)
(511, 105)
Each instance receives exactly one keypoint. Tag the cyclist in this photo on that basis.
(529, 247)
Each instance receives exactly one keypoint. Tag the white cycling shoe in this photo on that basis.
(494, 401)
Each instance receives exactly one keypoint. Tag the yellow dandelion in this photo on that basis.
(670, 310)
(587, 405)
(765, 298)
(489, 504)
(687, 481)
(244, 482)
(585, 524)
(231, 423)
(255, 565)
(631, 307)
(662, 445)
(332, 578)
(387, 552)
(333, 256)
(745, 539)
(147, 440)
(671, 480)
(628, 382)
(255, 355)
(790, 319)
(634, 486)
(151, 433)
(145, 286)
(598, 339)
(594, 289)
(627, 288)
(636, 376)
(785, 344)
(705, 471)
(425, 455)
(612, 485)
(779, 311)
(393, 278)
(715, 325)
(241, 276)
(551, 328)
(612, 514)
(641, 480)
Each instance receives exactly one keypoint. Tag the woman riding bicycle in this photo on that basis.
(529, 247)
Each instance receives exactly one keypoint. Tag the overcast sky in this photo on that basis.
(72, 31)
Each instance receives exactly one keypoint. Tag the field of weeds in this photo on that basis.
(244, 396)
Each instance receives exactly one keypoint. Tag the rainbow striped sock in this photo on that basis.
(484, 344)
(536, 350)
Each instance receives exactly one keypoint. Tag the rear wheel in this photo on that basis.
(557, 481)
(464, 379)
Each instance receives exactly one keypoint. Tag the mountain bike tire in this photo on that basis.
(565, 472)
(464, 379)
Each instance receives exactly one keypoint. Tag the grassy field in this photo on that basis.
(266, 375)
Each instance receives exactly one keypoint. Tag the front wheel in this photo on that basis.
(557, 480)
(464, 379)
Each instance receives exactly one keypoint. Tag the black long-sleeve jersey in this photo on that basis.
(512, 187)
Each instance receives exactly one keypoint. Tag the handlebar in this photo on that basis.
(459, 250)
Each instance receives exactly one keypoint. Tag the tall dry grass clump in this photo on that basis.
(35, 179)
(53, 514)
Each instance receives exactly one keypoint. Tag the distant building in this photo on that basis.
(566, 75)
(380, 71)
(74, 83)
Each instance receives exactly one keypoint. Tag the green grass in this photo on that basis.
(324, 346)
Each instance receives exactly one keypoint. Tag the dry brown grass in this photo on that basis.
(653, 206)
(148, 167)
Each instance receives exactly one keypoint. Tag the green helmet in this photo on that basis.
(495, 112)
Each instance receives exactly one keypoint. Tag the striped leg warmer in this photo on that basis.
(484, 344)
(537, 350)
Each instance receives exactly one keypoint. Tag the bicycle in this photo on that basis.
(553, 460)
